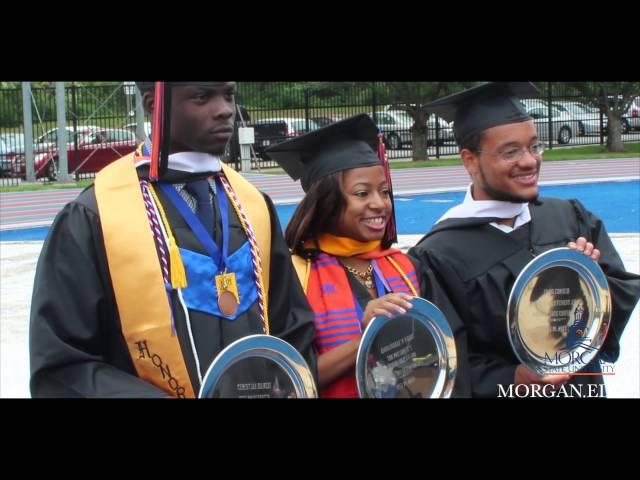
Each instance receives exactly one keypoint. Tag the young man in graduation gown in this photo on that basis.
(478, 249)
(168, 258)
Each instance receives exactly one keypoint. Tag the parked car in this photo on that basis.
(631, 118)
(324, 120)
(49, 139)
(269, 131)
(97, 147)
(563, 126)
(444, 133)
(396, 126)
(588, 118)
(134, 126)
(11, 144)
(531, 103)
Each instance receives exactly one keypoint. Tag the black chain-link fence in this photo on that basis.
(564, 115)
(100, 125)
(101, 121)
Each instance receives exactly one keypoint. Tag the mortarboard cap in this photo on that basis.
(343, 145)
(486, 106)
(150, 85)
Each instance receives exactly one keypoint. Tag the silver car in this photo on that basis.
(631, 118)
(563, 126)
(444, 130)
(134, 126)
(588, 118)
(396, 126)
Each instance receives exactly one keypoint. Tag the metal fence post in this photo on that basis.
(549, 102)
(63, 166)
(27, 123)
(246, 138)
(306, 110)
(141, 131)
(74, 115)
(602, 114)
(437, 135)
(373, 101)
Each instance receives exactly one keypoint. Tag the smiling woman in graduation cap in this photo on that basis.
(166, 260)
(340, 236)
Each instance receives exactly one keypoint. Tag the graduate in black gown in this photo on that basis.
(168, 258)
(477, 249)
(340, 237)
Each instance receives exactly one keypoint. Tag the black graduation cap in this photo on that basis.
(147, 85)
(485, 106)
(161, 123)
(350, 143)
(343, 145)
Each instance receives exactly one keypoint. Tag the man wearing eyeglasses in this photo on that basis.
(478, 248)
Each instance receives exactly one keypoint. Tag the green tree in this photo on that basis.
(412, 98)
(614, 99)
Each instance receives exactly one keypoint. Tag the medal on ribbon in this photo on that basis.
(228, 298)
(226, 283)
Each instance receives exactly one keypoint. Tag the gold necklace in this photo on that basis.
(366, 277)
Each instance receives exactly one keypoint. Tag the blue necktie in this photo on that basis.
(199, 189)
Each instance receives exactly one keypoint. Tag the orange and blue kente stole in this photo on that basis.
(337, 313)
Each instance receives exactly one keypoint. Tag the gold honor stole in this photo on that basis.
(138, 285)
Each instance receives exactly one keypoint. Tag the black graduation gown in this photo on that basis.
(430, 290)
(76, 345)
(477, 265)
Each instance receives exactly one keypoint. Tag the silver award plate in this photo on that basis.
(258, 366)
(559, 312)
(407, 356)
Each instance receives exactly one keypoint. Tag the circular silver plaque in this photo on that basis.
(407, 356)
(559, 312)
(258, 366)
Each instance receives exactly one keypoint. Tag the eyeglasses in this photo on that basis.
(515, 154)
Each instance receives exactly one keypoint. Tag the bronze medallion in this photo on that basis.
(227, 303)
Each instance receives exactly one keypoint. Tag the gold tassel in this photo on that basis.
(178, 274)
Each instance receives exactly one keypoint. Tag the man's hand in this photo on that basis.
(588, 248)
(385, 305)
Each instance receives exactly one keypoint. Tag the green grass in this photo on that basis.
(46, 186)
(591, 151)
(554, 155)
